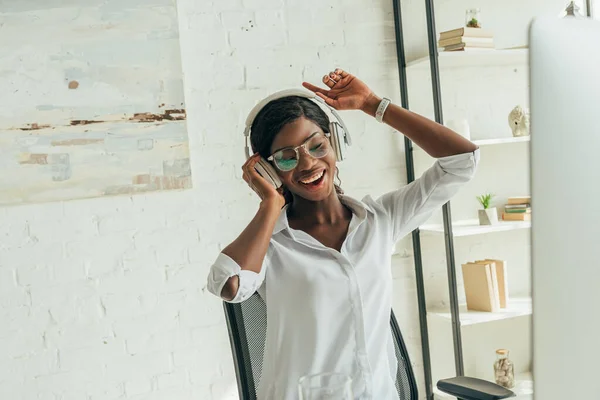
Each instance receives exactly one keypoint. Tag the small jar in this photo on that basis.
(504, 371)
(472, 19)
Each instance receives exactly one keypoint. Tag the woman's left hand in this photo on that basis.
(346, 92)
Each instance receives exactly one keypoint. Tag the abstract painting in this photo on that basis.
(92, 100)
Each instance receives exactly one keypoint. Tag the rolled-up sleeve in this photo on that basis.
(225, 267)
(413, 204)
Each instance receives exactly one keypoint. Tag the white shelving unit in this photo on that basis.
(482, 332)
(496, 141)
(472, 227)
(504, 140)
(457, 59)
(517, 307)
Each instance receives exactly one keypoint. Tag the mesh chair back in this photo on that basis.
(247, 325)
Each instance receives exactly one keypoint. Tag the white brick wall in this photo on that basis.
(105, 298)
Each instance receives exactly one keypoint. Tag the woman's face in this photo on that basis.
(301, 180)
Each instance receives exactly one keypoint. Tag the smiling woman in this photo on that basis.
(321, 259)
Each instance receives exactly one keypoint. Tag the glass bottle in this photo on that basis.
(472, 18)
(504, 371)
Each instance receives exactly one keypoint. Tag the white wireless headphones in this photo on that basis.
(339, 135)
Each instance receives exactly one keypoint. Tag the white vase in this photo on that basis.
(488, 216)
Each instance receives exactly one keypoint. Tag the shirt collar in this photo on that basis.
(357, 207)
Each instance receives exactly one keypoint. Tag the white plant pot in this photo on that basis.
(488, 216)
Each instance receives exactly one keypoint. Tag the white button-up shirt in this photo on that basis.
(329, 311)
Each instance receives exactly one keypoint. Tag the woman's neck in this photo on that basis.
(327, 211)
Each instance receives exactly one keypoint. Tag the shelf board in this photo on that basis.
(495, 141)
(472, 227)
(504, 140)
(475, 58)
(517, 307)
(523, 388)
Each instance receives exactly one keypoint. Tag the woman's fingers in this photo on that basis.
(329, 81)
(335, 77)
(248, 168)
(253, 178)
(332, 102)
(250, 162)
(253, 175)
(314, 88)
(341, 72)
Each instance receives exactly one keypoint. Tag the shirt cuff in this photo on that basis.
(463, 164)
(223, 269)
(249, 282)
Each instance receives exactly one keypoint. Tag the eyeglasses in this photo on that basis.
(316, 145)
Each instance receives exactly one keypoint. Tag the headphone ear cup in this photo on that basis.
(337, 140)
(266, 170)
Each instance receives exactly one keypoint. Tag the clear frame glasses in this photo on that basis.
(316, 145)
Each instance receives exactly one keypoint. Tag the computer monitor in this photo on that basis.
(565, 179)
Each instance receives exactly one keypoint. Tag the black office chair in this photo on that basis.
(247, 325)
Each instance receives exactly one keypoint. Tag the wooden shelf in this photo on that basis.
(476, 58)
(472, 227)
(517, 307)
(523, 388)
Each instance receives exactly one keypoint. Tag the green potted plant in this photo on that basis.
(488, 215)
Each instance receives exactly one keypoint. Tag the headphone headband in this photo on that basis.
(300, 92)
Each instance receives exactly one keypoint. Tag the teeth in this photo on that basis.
(313, 178)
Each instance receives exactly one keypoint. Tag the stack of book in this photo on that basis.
(517, 209)
(486, 285)
(466, 38)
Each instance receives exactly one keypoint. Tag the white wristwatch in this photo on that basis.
(385, 102)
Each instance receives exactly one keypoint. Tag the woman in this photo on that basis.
(322, 263)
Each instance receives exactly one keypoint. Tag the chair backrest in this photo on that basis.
(247, 324)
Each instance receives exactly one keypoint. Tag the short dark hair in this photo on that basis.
(277, 114)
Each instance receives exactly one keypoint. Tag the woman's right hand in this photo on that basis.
(260, 185)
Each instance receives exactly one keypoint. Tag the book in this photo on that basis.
(516, 206)
(502, 277)
(516, 216)
(481, 287)
(468, 41)
(519, 200)
(517, 210)
(466, 31)
(463, 47)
